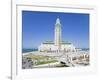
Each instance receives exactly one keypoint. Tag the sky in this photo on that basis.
(38, 27)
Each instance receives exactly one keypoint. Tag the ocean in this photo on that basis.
(85, 49)
(28, 50)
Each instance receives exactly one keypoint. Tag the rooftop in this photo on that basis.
(51, 42)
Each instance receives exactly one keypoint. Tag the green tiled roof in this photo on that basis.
(51, 42)
(65, 42)
(48, 42)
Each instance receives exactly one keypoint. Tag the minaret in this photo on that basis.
(58, 34)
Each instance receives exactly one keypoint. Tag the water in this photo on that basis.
(28, 50)
(85, 49)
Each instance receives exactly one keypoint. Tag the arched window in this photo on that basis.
(50, 49)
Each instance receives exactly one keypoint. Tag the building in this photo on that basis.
(58, 45)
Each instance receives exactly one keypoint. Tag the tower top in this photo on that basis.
(57, 21)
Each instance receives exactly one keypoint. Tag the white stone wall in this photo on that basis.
(52, 47)
(67, 47)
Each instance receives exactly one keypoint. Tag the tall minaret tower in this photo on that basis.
(58, 34)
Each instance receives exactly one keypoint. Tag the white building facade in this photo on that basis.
(57, 45)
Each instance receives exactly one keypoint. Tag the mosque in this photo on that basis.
(58, 45)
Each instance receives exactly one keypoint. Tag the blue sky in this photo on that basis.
(38, 27)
